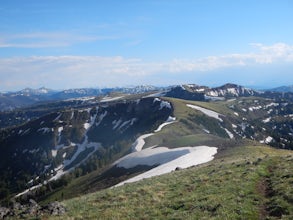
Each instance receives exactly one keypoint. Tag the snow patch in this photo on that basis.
(60, 129)
(156, 100)
(116, 123)
(207, 112)
(255, 108)
(28, 190)
(109, 99)
(44, 130)
(101, 117)
(268, 140)
(230, 134)
(158, 94)
(86, 125)
(139, 143)
(272, 104)
(150, 157)
(26, 131)
(183, 157)
(170, 120)
(58, 117)
(213, 98)
(127, 123)
(206, 131)
(54, 153)
(267, 120)
(164, 104)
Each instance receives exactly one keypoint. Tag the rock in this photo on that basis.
(17, 206)
(33, 207)
(178, 168)
(4, 212)
(55, 208)
(16, 209)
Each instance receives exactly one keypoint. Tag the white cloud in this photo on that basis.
(48, 39)
(81, 71)
(278, 52)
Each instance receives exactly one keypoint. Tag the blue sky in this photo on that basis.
(87, 43)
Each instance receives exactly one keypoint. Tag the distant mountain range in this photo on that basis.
(282, 89)
(28, 96)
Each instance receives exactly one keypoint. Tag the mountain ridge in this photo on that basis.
(90, 133)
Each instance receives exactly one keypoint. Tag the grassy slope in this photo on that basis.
(187, 132)
(241, 183)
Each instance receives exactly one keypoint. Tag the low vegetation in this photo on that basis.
(253, 182)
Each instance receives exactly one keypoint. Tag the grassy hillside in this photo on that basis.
(189, 130)
(252, 182)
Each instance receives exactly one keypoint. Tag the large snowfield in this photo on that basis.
(169, 159)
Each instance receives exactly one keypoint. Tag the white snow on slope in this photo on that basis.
(272, 104)
(207, 112)
(54, 153)
(116, 123)
(86, 125)
(101, 117)
(60, 129)
(80, 148)
(44, 130)
(151, 157)
(58, 117)
(28, 190)
(268, 140)
(109, 99)
(163, 104)
(87, 98)
(206, 131)
(255, 108)
(230, 134)
(170, 120)
(138, 144)
(193, 156)
(158, 94)
(213, 98)
(127, 123)
(267, 120)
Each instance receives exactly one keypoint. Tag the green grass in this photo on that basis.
(188, 130)
(233, 186)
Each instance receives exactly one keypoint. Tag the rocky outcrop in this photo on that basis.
(31, 209)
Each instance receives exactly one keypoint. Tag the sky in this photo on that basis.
(63, 44)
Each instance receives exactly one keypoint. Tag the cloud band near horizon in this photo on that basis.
(88, 71)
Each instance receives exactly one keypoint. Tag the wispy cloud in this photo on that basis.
(80, 71)
(49, 39)
(279, 52)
